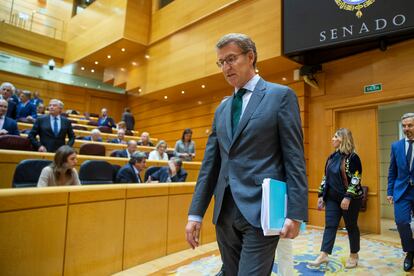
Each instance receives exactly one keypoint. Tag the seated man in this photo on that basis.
(52, 129)
(171, 173)
(25, 109)
(105, 120)
(95, 136)
(131, 148)
(7, 125)
(6, 91)
(130, 172)
(145, 140)
(120, 139)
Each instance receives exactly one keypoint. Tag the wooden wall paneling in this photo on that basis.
(95, 236)
(137, 21)
(145, 230)
(30, 42)
(193, 46)
(32, 241)
(96, 27)
(177, 219)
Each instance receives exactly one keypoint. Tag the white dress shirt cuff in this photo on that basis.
(195, 218)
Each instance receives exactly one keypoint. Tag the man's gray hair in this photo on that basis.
(60, 103)
(95, 131)
(244, 42)
(137, 157)
(8, 84)
(407, 115)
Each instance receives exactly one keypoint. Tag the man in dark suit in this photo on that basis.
(256, 134)
(130, 173)
(105, 120)
(171, 173)
(7, 125)
(95, 136)
(400, 190)
(128, 118)
(25, 109)
(52, 129)
(120, 139)
(131, 148)
(6, 91)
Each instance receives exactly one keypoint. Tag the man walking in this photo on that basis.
(401, 187)
(256, 134)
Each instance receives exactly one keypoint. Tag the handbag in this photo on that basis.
(364, 199)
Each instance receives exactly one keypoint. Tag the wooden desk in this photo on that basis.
(105, 136)
(10, 158)
(93, 230)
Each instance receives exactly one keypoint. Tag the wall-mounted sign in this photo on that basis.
(373, 88)
(316, 31)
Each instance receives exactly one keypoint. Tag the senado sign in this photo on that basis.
(322, 30)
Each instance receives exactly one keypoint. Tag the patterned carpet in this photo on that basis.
(376, 258)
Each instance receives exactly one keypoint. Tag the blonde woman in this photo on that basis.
(341, 193)
(160, 152)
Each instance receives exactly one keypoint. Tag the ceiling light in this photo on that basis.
(257, 70)
(165, 97)
(182, 91)
(134, 63)
(123, 49)
(140, 90)
(203, 86)
(82, 68)
(284, 79)
(123, 69)
(93, 70)
(86, 84)
(108, 56)
(147, 56)
(200, 102)
(96, 62)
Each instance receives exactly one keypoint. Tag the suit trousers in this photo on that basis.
(244, 249)
(333, 214)
(403, 209)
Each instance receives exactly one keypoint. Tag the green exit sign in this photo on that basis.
(373, 88)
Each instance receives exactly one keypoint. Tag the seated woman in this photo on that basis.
(185, 148)
(62, 171)
(121, 125)
(160, 152)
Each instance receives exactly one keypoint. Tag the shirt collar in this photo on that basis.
(251, 84)
(58, 117)
(135, 170)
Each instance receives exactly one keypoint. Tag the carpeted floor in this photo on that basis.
(376, 258)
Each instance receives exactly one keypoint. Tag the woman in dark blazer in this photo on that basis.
(341, 194)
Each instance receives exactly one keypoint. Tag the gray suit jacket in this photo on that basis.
(268, 142)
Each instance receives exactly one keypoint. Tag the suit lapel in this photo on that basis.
(254, 102)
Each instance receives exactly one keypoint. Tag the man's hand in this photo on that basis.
(192, 233)
(390, 199)
(42, 149)
(290, 229)
(321, 203)
(173, 169)
(345, 203)
(3, 132)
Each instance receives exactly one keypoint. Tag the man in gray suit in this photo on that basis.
(256, 134)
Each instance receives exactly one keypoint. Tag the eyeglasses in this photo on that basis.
(230, 60)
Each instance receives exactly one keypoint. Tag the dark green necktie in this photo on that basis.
(236, 108)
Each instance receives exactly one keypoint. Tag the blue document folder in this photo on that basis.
(274, 206)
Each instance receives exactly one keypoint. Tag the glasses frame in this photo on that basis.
(220, 63)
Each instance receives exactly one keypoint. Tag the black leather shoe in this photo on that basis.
(408, 261)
